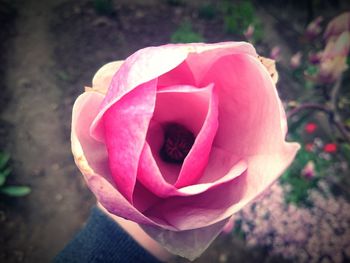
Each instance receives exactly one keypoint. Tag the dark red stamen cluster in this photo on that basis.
(178, 141)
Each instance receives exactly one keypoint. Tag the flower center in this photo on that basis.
(178, 141)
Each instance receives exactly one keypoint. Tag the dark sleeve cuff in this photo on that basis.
(103, 240)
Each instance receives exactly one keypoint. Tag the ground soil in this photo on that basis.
(50, 51)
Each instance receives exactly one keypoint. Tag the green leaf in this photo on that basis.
(4, 158)
(311, 70)
(346, 151)
(15, 191)
(3, 175)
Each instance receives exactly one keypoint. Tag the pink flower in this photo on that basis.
(337, 26)
(337, 47)
(229, 226)
(178, 138)
(249, 32)
(333, 59)
(309, 147)
(295, 60)
(275, 53)
(310, 127)
(330, 148)
(315, 58)
(309, 170)
(314, 28)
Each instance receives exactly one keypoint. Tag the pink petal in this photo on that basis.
(251, 119)
(125, 126)
(219, 165)
(143, 66)
(91, 158)
(190, 243)
(149, 63)
(338, 25)
(201, 210)
(104, 75)
(200, 63)
(337, 47)
(251, 127)
(159, 176)
(181, 75)
(197, 159)
(236, 170)
(221, 202)
(116, 203)
(192, 114)
(150, 176)
(168, 171)
(83, 146)
(186, 105)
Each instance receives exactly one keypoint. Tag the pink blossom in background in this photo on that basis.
(314, 28)
(337, 26)
(275, 53)
(178, 138)
(249, 32)
(303, 235)
(309, 147)
(310, 127)
(315, 58)
(331, 70)
(337, 47)
(330, 148)
(332, 61)
(295, 60)
(309, 170)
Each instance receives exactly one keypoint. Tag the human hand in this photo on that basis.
(140, 236)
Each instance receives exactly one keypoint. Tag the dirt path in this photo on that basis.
(36, 123)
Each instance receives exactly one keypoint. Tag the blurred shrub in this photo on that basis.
(207, 11)
(185, 34)
(103, 7)
(238, 17)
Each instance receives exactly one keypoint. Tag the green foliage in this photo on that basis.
(258, 31)
(345, 148)
(185, 34)
(298, 184)
(237, 229)
(207, 11)
(311, 70)
(237, 18)
(5, 171)
(103, 7)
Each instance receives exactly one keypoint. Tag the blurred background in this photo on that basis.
(50, 50)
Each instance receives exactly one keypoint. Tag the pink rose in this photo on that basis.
(179, 137)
